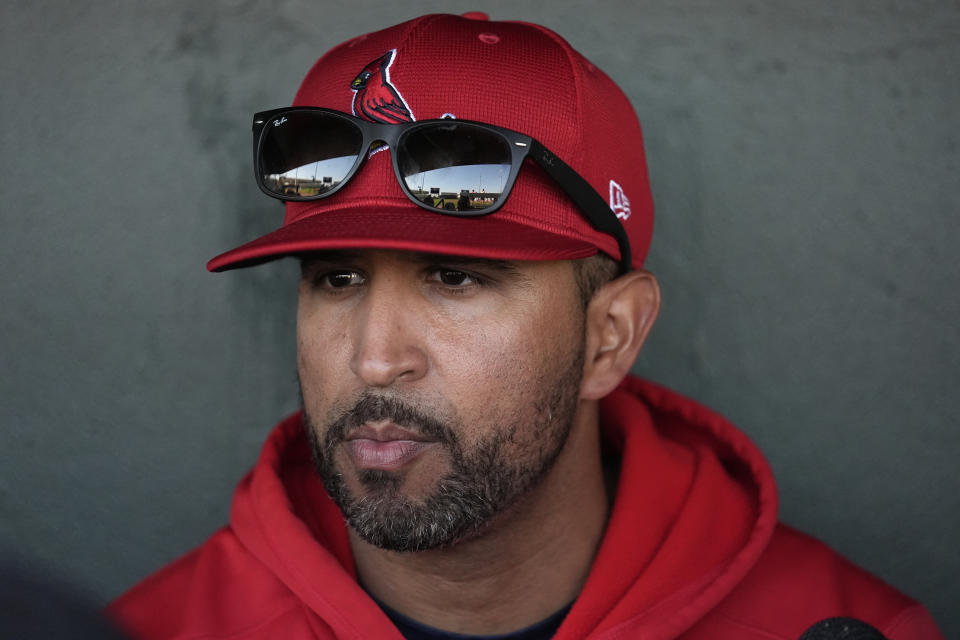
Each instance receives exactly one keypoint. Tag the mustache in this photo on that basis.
(375, 408)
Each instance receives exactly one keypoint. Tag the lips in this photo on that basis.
(385, 446)
(385, 432)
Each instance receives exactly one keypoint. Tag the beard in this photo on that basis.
(485, 479)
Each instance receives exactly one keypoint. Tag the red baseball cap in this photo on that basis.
(515, 75)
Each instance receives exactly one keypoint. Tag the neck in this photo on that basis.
(531, 561)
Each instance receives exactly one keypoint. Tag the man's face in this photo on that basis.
(437, 390)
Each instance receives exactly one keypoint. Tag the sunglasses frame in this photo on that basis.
(590, 203)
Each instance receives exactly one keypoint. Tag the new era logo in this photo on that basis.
(619, 201)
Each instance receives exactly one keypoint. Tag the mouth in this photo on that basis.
(385, 446)
(385, 431)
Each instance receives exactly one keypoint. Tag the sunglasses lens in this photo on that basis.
(304, 154)
(456, 166)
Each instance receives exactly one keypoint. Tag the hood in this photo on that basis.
(695, 506)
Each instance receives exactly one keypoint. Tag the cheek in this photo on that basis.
(322, 352)
(494, 372)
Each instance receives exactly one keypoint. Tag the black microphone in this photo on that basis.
(842, 629)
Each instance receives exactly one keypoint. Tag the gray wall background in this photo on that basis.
(805, 168)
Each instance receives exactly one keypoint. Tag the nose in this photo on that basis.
(389, 345)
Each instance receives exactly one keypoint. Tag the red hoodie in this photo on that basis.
(692, 550)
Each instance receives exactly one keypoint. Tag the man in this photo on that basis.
(472, 458)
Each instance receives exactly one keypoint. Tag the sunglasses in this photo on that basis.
(453, 167)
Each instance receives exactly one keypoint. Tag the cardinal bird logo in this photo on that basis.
(374, 96)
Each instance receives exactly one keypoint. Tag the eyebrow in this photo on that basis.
(506, 268)
(503, 266)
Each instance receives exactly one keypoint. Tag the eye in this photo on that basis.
(454, 278)
(339, 279)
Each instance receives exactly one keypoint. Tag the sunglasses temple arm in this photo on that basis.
(256, 143)
(590, 203)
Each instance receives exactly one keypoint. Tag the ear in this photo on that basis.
(619, 317)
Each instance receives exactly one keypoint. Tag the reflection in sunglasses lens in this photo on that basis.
(455, 167)
(307, 154)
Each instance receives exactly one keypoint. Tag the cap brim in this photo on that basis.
(407, 227)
